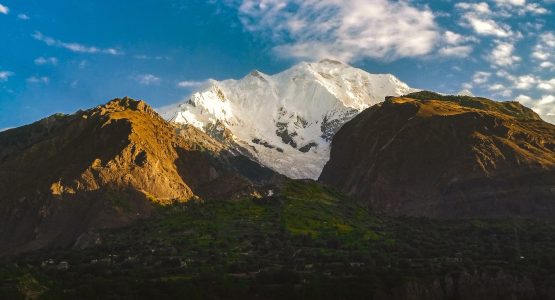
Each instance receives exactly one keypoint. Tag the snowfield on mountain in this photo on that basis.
(286, 121)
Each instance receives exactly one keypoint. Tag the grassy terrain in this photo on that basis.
(307, 241)
(510, 108)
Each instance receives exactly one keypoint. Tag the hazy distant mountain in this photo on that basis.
(287, 120)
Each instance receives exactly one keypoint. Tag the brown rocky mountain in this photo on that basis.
(66, 175)
(425, 154)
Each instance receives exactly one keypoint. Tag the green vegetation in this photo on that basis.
(307, 241)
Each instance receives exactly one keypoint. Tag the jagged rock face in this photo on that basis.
(448, 157)
(67, 174)
(286, 121)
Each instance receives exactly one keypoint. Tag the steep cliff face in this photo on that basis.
(104, 167)
(447, 156)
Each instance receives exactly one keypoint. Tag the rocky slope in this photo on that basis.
(286, 121)
(447, 156)
(104, 167)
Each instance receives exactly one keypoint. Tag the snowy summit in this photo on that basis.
(286, 121)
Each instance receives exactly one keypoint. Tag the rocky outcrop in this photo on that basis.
(105, 167)
(447, 156)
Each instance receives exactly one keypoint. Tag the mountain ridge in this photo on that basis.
(286, 121)
(105, 167)
(426, 154)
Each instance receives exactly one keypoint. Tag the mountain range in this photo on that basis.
(323, 181)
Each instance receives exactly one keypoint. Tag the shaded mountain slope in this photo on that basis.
(105, 167)
(447, 156)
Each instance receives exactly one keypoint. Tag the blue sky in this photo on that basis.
(61, 56)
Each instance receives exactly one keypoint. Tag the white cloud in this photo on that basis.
(481, 77)
(453, 38)
(504, 93)
(511, 2)
(487, 26)
(452, 45)
(467, 86)
(500, 90)
(534, 8)
(46, 60)
(147, 79)
(524, 100)
(23, 17)
(4, 9)
(497, 87)
(506, 75)
(345, 30)
(37, 80)
(75, 47)
(525, 82)
(5, 75)
(190, 83)
(456, 51)
(502, 55)
(479, 17)
(476, 8)
(547, 85)
(519, 7)
(544, 50)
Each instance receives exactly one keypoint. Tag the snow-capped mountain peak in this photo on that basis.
(286, 120)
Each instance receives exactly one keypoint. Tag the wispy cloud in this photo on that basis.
(456, 45)
(547, 85)
(503, 54)
(75, 47)
(148, 57)
(4, 9)
(479, 17)
(481, 77)
(456, 51)
(4, 75)
(38, 80)
(544, 50)
(519, 7)
(346, 30)
(23, 17)
(190, 83)
(46, 61)
(511, 2)
(147, 79)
